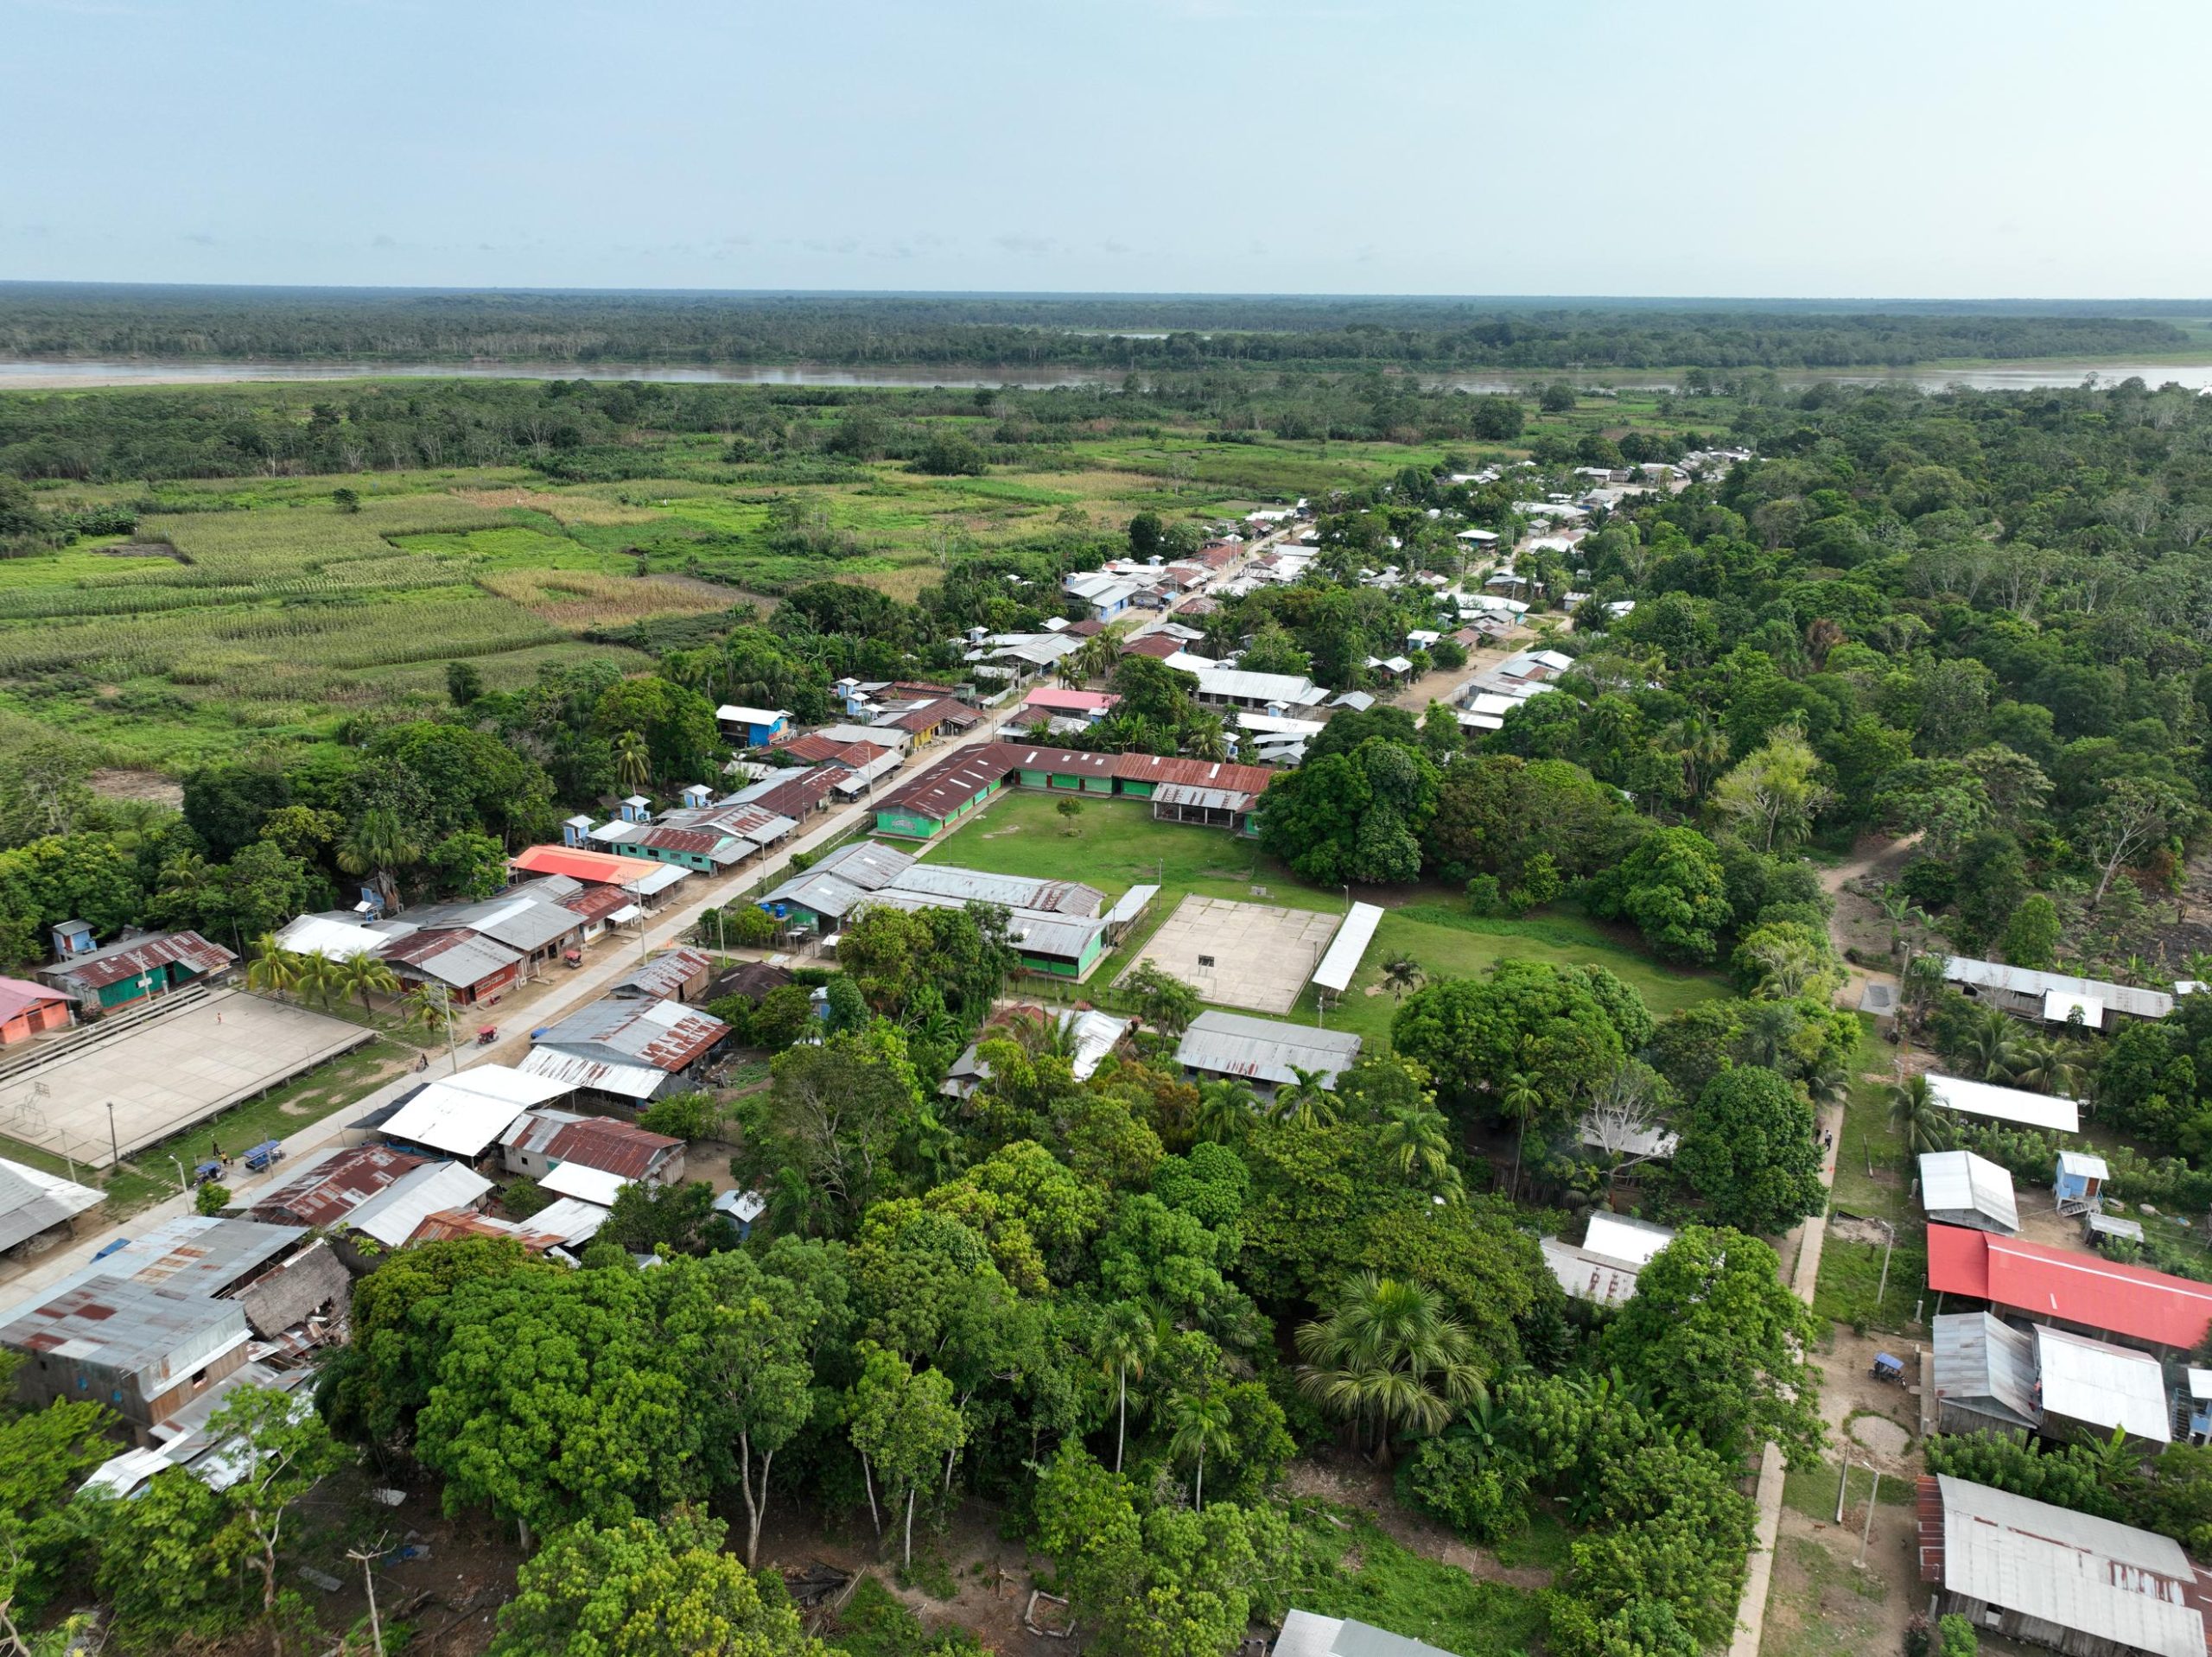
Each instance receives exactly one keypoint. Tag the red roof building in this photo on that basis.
(599, 868)
(1159, 646)
(818, 749)
(27, 1008)
(326, 1193)
(2057, 1285)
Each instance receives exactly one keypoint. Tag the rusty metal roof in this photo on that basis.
(132, 957)
(464, 1222)
(330, 1188)
(665, 974)
(666, 1035)
(600, 1142)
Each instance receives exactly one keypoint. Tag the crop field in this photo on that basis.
(256, 609)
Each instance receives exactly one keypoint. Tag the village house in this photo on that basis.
(540, 1143)
(1264, 1053)
(29, 1009)
(38, 1209)
(625, 1052)
(1614, 1249)
(133, 967)
(2087, 1293)
(752, 728)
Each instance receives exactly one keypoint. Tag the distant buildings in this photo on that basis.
(949, 792)
(1264, 1053)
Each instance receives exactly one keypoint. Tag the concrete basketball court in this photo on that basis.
(1251, 956)
(169, 1073)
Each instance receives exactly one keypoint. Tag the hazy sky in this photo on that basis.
(1942, 148)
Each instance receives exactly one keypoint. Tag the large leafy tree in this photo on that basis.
(906, 1428)
(645, 1589)
(1562, 1025)
(1353, 816)
(1720, 1342)
(1675, 889)
(1750, 1152)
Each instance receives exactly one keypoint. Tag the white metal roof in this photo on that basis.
(1588, 1276)
(2200, 1382)
(2084, 1165)
(2026, 981)
(318, 935)
(1954, 1182)
(392, 1215)
(504, 1081)
(660, 879)
(2007, 1104)
(2090, 1574)
(2104, 1385)
(589, 1184)
(1620, 1237)
(452, 1119)
(1292, 689)
(1345, 950)
(573, 1071)
(571, 1219)
(733, 713)
(33, 1200)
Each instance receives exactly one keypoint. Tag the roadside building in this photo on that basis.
(463, 1114)
(626, 1052)
(135, 968)
(2048, 1575)
(2039, 1110)
(2085, 1292)
(540, 1141)
(39, 1208)
(1603, 1269)
(449, 1225)
(394, 1214)
(328, 1188)
(678, 975)
(923, 721)
(1221, 687)
(1961, 1189)
(1264, 1053)
(752, 728)
(1054, 702)
(470, 969)
(949, 792)
(2089, 1389)
(29, 1009)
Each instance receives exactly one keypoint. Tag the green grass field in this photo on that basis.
(1118, 845)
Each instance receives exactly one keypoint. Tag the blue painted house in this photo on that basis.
(753, 727)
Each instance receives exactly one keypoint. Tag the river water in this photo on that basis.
(28, 375)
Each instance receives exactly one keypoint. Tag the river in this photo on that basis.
(25, 374)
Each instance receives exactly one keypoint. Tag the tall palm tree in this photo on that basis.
(377, 847)
(319, 978)
(1919, 1116)
(1225, 1110)
(1387, 1358)
(2044, 1063)
(273, 968)
(1202, 1423)
(1125, 1343)
(1205, 737)
(1416, 1140)
(1519, 1099)
(1827, 1083)
(633, 761)
(1402, 973)
(364, 975)
(1305, 1102)
(1703, 746)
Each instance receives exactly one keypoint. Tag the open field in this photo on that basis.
(1118, 846)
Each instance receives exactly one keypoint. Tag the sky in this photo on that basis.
(1944, 149)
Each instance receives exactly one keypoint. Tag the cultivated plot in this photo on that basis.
(1251, 955)
(165, 1074)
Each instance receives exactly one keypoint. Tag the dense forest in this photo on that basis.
(1119, 334)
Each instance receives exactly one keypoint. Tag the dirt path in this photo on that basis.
(1352, 1480)
(1856, 924)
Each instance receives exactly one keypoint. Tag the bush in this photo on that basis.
(683, 1116)
(1482, 1494)
(212, 1198)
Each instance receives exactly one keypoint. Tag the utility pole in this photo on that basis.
(1866, 1534)
(115, 1149)
(1891, 1232)
(1841, 1483)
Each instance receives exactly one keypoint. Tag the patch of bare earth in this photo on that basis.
(1352, 1480)
(116, 784)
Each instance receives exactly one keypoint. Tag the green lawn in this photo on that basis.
(1352, 1568)
(1118, 845)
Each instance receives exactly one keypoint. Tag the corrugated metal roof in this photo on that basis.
(1264, 1050)
(518, 1087)
(1130, 905)
(335, 1183)
(578, 863)
(866, 864)
(2083, 1164)
(2081, 1574)
(2026, 981)
(1982, 1361)
(456, 958)
(602, 1142)
(572, 1220)
(2103, 1386)
(325, 935)
(2071, 1288)
(452, 1119)
(665, 974)
(1067, 897)
(136, 1327)
(450, 1223)
(1345, 950)
(522, 918)
(2007, 1104)
(1624, 1237)
(130, 957)
(1207, 799)
(1295, 689)
(573, 1070)
(32, 1201)
(1032, 930)
(664, 1035)
(1959, 1182)
(392, 1216)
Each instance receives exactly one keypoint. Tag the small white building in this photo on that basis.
(1961, 1189)
(1615, 1249)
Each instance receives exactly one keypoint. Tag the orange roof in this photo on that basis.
(578, 864)
(2083, 1289)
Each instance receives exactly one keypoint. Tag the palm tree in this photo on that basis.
(364, 975)
(1402, 973)
(2044, 1063)
(1827, 1083)
(1919, 1116)
(184, 874)
(1126, 1342)
(1386, 1357)
(1416, 1140)
(1205, 737)
(1202, 1423)
(1305, 1102)
(633, 761)
(1519, 1099)
(378, 844)
(1703, 747)
(273, 968)
(1992, 1046)
(1225, 1111)
(2197, 967)
(318, 978)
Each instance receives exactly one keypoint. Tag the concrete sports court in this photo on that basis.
(1251, 956)
(166, 1073)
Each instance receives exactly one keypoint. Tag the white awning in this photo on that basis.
(1342, 961)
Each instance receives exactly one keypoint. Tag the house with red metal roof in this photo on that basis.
(132, 968)
(332, 1186)
(541, 1140)
(2131, 1303)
